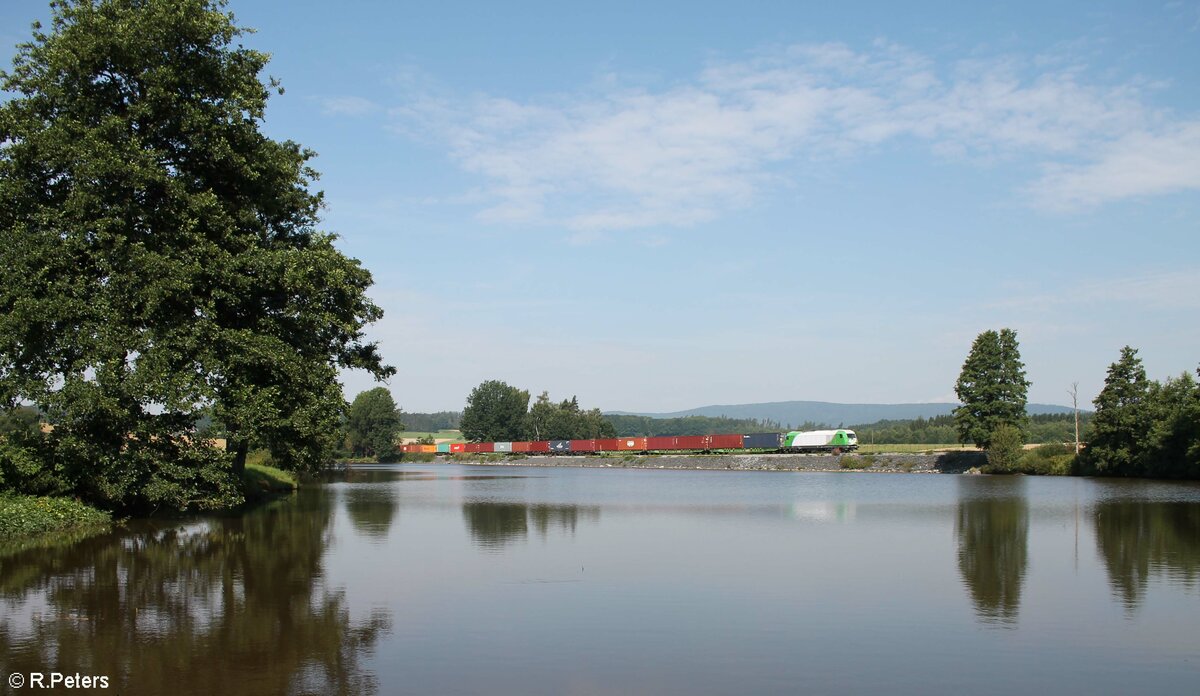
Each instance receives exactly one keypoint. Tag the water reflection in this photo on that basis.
(992, 528)
(495, 525)
(1139, 540)
(227, 606)
(371, 509)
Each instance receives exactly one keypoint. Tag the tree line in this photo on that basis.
(1140, 427)
(1144, 427)
(1040, 428)
(432, 422)
(646, 426)
(498, 412)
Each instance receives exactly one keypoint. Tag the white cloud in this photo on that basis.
(685, 153)
(1137, 164)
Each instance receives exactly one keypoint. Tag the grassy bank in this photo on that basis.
(263, 481)
(25, 516)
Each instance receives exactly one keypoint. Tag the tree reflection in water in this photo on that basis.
(227, 606)
(993, 539)
(1139, 540)
(371, 509)
(494, 525)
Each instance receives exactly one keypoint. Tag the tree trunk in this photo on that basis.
(240, 450)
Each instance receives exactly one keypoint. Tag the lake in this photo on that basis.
(449, 579)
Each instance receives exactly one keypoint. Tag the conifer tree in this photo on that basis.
(991, 387)
(1122, 420)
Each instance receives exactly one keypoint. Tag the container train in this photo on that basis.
(835, 441)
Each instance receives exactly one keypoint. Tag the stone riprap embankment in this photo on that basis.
(950, 463)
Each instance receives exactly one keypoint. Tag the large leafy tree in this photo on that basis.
(494, 412)
(160, 257)
(373, 422)
(991, 387)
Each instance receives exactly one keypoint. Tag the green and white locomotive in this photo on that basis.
(820, 441)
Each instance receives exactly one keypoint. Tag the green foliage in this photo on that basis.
(22, 515)
(418, 457)
(260, 481)
(547, 420)
(495, 412)
(1057, 459)
(645, 426)
(1005, 450)
(1173, 445)
(856, 462)
(161, 261)
(1123, 418)
(433, 422)
(373, 423)
(1041, 428)
(991, 387)
(20, 420)
(1144, 427)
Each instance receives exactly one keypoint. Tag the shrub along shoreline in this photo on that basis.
(24, 516)
(26, 519)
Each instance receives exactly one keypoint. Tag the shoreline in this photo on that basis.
(945, 463)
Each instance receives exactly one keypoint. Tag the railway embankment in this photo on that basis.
(944, 463)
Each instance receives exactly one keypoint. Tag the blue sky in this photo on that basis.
(663, 207)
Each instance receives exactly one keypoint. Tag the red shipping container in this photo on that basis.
(539, 446)
(487, 447)
(473, 447)
(725, 441)
(661, 443)
(458, 447)
(692, 442)
(583, 445)
(521, 446)
(611, 445)
(632, 443)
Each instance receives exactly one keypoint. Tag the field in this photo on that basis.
(439, 435)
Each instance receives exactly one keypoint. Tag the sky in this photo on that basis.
(663, 205)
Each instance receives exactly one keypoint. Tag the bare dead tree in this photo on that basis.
(1074, 392)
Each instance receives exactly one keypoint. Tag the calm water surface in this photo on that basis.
(445, 579)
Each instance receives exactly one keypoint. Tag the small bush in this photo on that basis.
(413, 457)
(856, 462)
(1049, 460)
(1004, 454)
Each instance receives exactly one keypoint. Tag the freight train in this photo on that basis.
(835, 441)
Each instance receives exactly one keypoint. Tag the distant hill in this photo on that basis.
(797, 412)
